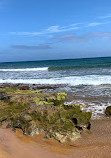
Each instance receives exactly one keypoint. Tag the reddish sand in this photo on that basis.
(93, 144)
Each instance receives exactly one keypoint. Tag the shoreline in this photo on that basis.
(93, 144)
(94, 104)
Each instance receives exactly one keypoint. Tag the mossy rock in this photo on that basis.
(35, 112)
(60, 98)
(28, 126)
(82, 120)
(74, 113)
(55, 99)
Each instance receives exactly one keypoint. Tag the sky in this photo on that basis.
(54, 29)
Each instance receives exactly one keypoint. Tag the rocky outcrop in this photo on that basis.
(108, 111)
(43, 112)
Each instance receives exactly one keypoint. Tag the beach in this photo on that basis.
(87, 84)
(95, 143)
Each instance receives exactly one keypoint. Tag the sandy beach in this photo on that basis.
(93, 144)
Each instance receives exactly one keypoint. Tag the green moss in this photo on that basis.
(17, 91)
(25, 92)
(46, 103)
(41, 101)
(60, 99)
(82, 117)
(75, 107)
(36, 116)
(56, 99)
(29, 110)
(13, 107)
(51, 99)
(36, 100)
(8, 89)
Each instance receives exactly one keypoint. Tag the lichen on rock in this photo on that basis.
(43, 112)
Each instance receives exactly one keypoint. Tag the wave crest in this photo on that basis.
(26, 69)
(71, 81)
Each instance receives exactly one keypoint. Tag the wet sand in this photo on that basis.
(93, 144)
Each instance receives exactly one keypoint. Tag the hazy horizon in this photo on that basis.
(56, 59)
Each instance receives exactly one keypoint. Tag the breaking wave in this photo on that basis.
(26, 69)
(71, 80)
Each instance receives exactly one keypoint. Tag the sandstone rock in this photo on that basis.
(68, 137)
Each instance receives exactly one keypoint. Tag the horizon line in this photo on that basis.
(54, 59)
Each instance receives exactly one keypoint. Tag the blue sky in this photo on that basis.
(54, 29)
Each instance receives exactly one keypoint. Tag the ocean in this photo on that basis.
(87, 81)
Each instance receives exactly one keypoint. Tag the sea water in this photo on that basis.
(87, 80)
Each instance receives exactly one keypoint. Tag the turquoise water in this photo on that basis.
(88, 81)
(92, 71)
(61, 64)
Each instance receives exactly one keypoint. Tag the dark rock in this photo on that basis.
(89, 126)
(108, 111)
(14, 130)
(4, 96)
(24, 87)
(79, 128)
(9, 125)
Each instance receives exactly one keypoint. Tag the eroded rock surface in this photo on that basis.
(42, 112)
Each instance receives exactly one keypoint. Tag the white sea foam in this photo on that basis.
(26, 69)
(97, 109)
(72, 80)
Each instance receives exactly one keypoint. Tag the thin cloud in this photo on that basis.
(26, 33)
(26, 47)
(103, 35)
(49, 30)
(76, 24)
(83, 38)
(106, 16)
(94, 24)
(71, 37)
(59, 29)
(54, 29)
